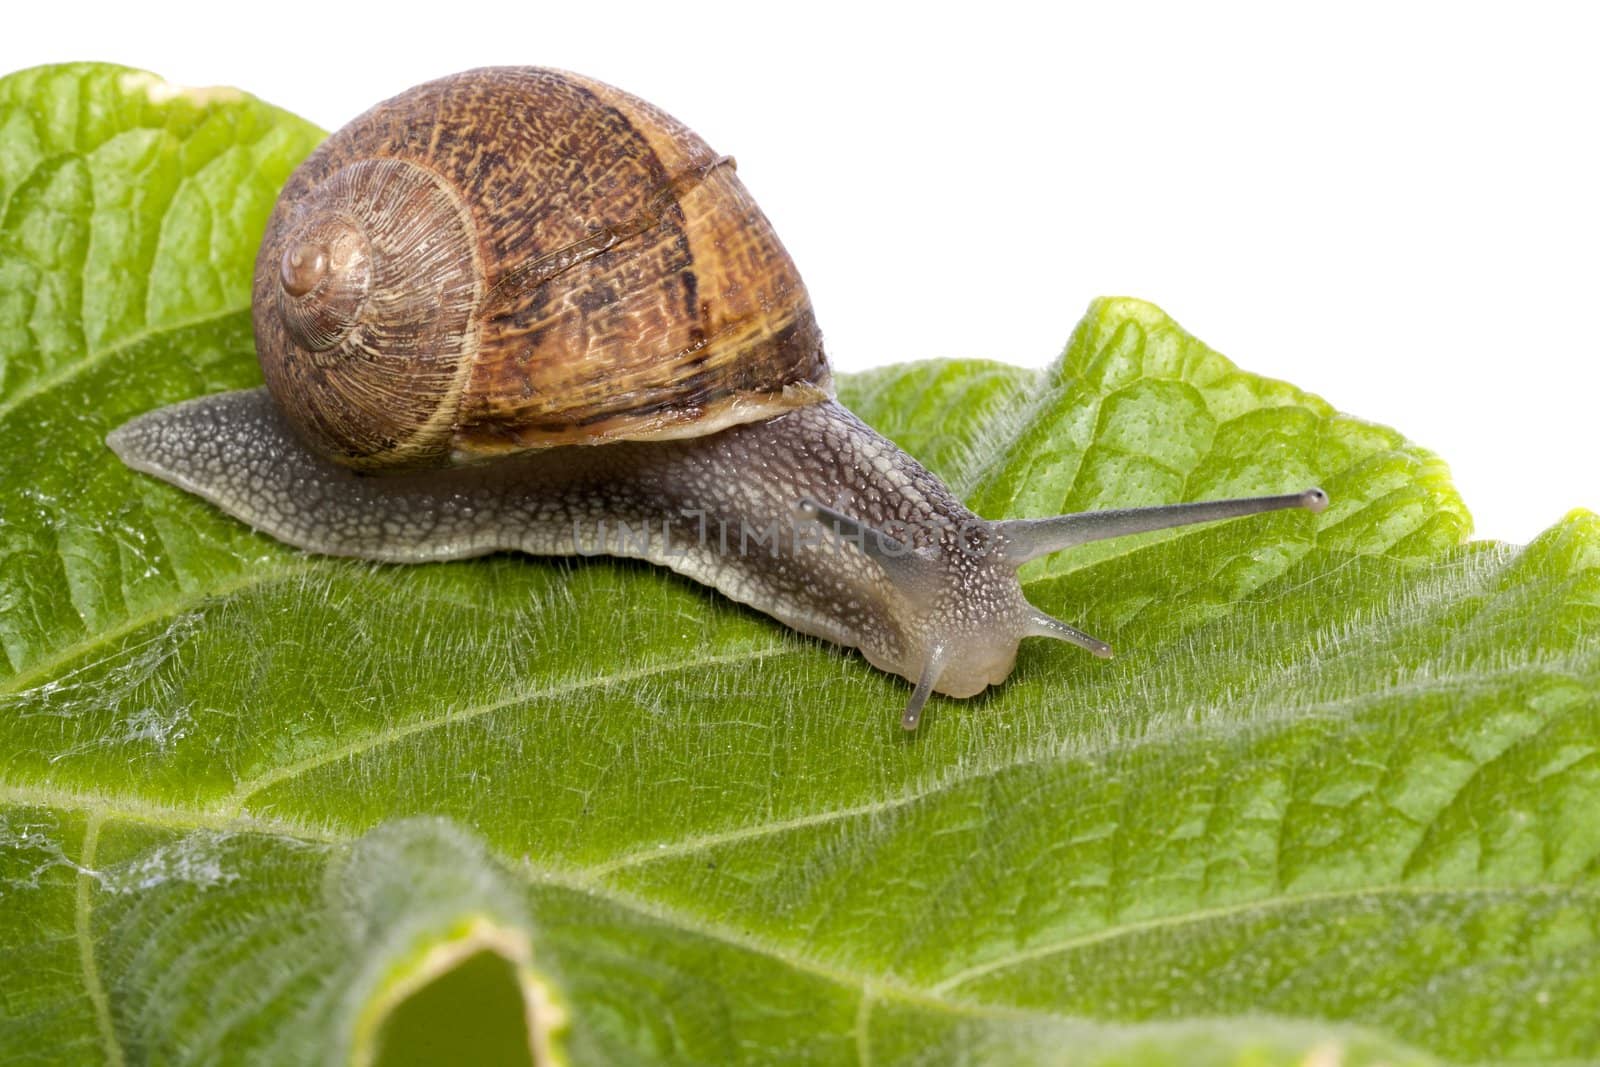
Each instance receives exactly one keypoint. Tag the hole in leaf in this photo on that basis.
(472, 1013)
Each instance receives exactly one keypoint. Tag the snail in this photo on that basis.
(516, 309)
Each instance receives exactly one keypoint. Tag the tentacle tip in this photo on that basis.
(1104, 651)
(910, 720)
(1314, 500)
(805, 508)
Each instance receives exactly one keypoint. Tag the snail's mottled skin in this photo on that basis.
(518, 309)
(727, 510)
(719, 509)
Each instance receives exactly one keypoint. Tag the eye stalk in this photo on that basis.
(1026, 539)
(917, 574)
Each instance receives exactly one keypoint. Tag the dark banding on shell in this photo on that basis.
(629, 288)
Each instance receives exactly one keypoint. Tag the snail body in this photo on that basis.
(465, 290)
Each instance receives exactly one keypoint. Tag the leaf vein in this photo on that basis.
(43, 670)
(176, 817)
(1165, 922)
(83, 932)
(971, 775)
(394, 734)
(67, 371)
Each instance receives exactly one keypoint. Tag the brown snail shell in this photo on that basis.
(516, 258)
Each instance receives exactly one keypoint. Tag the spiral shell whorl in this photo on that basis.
(324, 277)
(547, 261)
(371, 283)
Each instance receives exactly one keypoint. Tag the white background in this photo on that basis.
(1391, 205)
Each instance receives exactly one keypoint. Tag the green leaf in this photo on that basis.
(1333, 803)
